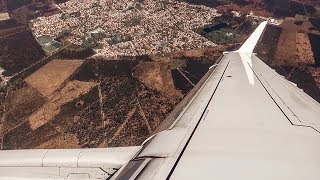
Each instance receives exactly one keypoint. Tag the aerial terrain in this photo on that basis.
(104, 73)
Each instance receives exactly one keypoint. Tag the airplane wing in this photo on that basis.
(99, 163)
(245, 121)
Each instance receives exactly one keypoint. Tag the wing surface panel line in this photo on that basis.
(293, 124)
(195, 128)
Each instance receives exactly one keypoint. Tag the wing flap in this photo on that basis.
(299, 107)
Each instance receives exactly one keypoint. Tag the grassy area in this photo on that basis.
(222, 35)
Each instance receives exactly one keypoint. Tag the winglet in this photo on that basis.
(246, 50)
(251, 42)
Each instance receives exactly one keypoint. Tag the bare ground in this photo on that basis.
(103, 102)
(19, 104)
(67, 141)
(156, 75)
(286, 50)
(304, 49)
(49, 110)
(51, 76)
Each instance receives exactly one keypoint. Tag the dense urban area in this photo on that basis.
(104, 73)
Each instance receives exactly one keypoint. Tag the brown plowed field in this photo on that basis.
(156, 75)
(19, 104)
(286, 49)
(51, 76)
(49, 110)
(304, 49)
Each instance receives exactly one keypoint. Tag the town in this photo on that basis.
(128, 28)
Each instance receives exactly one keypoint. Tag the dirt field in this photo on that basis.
(71, 91)
(4, 16)
(23, 137)
(286, 49)
(51, 76)
(289, 44)
(133, 132)
(20, 103)
(101, 102)
(156, 75)
(304, 49)
(65, 141)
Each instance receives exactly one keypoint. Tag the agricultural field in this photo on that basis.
(51, 76)
(99, 102)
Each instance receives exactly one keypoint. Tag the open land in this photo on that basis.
(100, 102)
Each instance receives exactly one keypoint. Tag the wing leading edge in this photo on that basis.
(239, 125)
